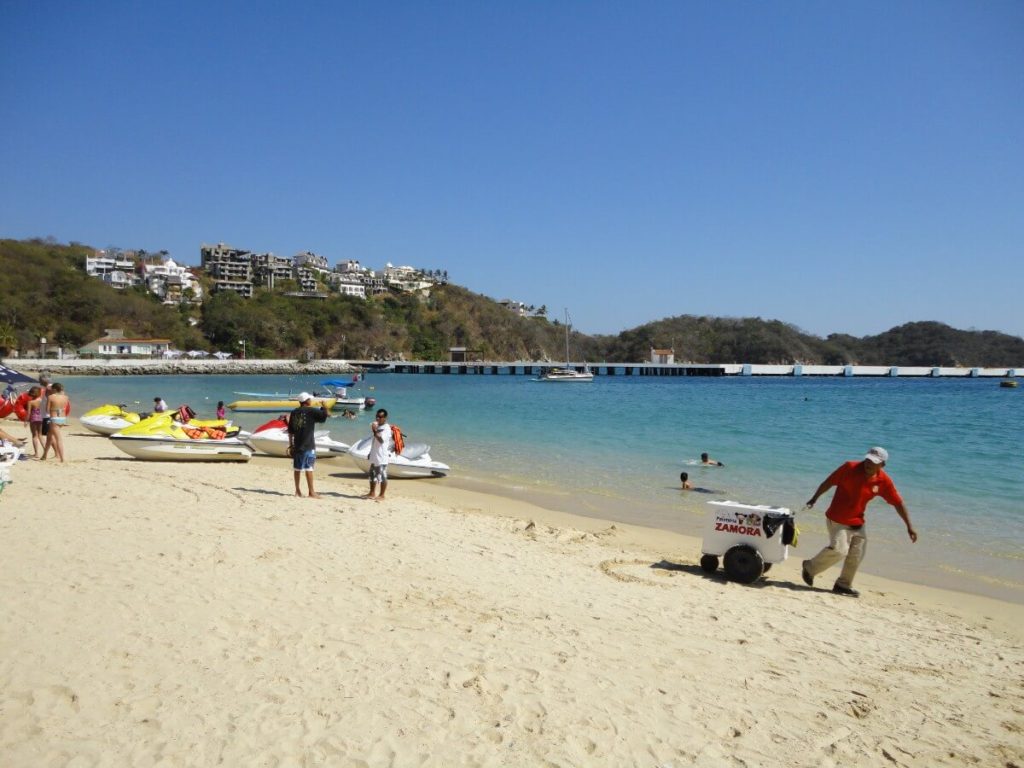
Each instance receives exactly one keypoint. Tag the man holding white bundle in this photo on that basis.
(380, 454)
(856, 484)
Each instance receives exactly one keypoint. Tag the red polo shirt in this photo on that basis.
(854, 489)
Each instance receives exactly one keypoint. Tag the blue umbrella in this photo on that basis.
(11, 376)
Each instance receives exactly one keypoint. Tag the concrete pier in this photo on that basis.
(490, 368)
(154, 366)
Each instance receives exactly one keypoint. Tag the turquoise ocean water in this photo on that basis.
(614, 449)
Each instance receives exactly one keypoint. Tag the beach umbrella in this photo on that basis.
(222, 355)
(11, 376)
(197, 353)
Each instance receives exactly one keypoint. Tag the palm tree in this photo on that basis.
(8, 339)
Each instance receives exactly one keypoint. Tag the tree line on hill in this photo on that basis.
(44, 292)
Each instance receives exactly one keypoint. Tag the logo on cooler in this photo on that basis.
(745, 524)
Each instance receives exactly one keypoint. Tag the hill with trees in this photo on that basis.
(44, 292)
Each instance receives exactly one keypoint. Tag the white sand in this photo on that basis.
(190, 615)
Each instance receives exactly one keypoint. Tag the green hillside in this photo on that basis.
(44, 292)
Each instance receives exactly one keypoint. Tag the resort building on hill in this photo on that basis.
(407, 279)
(268, 269)
(239, 270)
(306, 279)
(114, 267)
(116, 344)
(350, 286)
(104, 262)
(230, 268)
(171, 282)
(310, 261)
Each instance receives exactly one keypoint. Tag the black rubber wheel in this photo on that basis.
(767, 567)
(709, 563)
(744, 564)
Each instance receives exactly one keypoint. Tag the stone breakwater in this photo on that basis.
(177, 367)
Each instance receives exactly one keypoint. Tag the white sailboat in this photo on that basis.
(568, 373)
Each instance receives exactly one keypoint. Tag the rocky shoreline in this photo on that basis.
(177, 367)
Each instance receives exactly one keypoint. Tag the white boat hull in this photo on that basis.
(561, 375)
(567, 374)
(359, 403)
(173, 449)
(416, 464)
(105, 425)
(274, 442)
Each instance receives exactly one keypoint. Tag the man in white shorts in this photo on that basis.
(380, 454)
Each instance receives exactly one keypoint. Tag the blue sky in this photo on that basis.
(842, 166)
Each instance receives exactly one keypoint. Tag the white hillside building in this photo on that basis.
(170, 280)
(406, 279)
(104, 262)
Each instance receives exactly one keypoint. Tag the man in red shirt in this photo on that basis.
(856, 483)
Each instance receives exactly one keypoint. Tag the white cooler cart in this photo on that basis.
(750, 538)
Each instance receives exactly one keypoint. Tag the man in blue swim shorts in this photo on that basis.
(302, 441)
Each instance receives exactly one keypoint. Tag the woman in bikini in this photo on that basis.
(35, 420)
(56, 405)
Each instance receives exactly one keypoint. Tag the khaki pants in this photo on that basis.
(843, 541)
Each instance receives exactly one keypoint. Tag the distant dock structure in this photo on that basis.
(493, 368)
(124, 366)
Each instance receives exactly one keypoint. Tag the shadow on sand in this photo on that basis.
(765, 581)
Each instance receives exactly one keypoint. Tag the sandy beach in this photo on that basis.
(160, 614)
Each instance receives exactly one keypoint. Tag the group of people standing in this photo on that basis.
(47, 416)
(302, 447)
(857, 483)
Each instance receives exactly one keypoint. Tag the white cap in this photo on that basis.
(305, 397)
(877, 455)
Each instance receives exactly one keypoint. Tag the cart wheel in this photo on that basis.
(744, 564)
(709, 563)
(767, 567)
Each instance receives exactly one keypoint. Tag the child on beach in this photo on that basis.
(56, 405)
(35, 420)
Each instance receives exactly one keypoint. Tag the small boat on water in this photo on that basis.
(1008, 383)
(279, 406)
(108, 419)
(272, 439)
(414, 461)
(344, 400)
(568, 373)
(162, 438)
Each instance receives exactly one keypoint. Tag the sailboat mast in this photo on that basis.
(567, 338)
